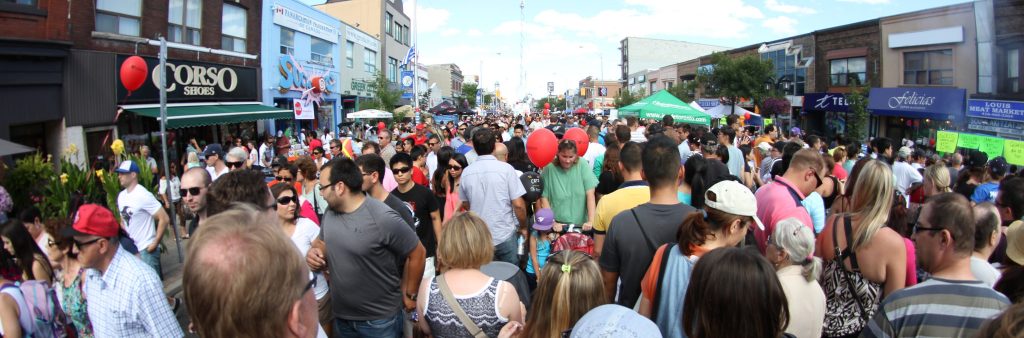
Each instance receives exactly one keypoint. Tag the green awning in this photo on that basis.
(664, 103)
(211, 114)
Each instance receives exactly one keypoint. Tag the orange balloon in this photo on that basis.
(541, 147)
(580, 137)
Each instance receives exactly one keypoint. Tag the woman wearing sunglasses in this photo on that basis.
(302, 232)
(69, 277)
(451, 185)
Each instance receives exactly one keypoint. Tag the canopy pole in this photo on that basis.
(163, 141)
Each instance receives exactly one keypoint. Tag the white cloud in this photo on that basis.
(775, 5)
(434, 19)
(473, 32)
(449, 32)
(780, 24)
(869, 2)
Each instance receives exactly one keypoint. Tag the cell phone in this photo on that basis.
(414, 316)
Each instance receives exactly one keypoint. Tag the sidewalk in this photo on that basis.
(172, 270)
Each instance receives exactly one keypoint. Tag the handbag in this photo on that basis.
(459, 312)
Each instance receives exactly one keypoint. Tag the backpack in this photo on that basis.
(533, 184)
(48, 319)
(575, 241)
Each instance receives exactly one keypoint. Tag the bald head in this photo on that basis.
(198, 175)
(501, 152)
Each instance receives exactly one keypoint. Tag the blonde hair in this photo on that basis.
(872, 199)
(569, 287)
(939, 176)
(226, 273)
(797, 240)
(465, 242)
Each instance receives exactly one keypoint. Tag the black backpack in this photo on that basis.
(533, 184)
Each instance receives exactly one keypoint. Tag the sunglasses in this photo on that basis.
(193, 190)
(234, 164)
(401, 170)
(455, 167)
(286, 200)
(318, 153)
(431, 144)
(283, 179)
(82, 245)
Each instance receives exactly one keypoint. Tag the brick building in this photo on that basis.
(848, 58)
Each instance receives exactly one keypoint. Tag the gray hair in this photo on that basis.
(238, 153)
(797, 240)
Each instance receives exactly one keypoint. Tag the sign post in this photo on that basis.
(163, 136)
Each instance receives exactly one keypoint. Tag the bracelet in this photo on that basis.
(411, 296)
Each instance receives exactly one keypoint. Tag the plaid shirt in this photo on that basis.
(128, 300)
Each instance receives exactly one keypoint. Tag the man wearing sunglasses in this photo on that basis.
(138, 209)
(236, 159)
(126, 297)
(194, 185)
(782, 198)
(952, 302)
(214, 154)
(433, 146)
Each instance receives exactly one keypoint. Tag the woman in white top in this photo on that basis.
(791, 250)
(302, 231)
(14, 317)
(170, 196)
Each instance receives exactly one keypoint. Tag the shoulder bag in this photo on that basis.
(459, 312)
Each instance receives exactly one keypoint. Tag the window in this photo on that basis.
(934, 67)
(398, 33)
(20, 2)
(848, 72)
(1012, 80)
(392, 70)
(321, 51)
(233, 24)
(118, 16)
(405, 35)
(388, 22)
(369, 61)
(287, 41)
(786, 70)
(183, 21)
(349, 50)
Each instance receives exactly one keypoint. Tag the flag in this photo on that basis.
(409, 56)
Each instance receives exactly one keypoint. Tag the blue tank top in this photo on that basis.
(543, 250)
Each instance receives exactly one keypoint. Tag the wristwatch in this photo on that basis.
(411, 296)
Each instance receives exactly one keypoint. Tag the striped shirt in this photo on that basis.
(128, 300)
(937, 308)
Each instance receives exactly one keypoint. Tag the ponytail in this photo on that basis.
(811, 268)
(693, 232)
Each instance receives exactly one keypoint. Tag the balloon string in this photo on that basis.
(111, 131)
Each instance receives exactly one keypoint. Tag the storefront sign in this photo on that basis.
(303, 109)
(299, 75)
(362, 39)
(926, 103)
(190, 81)
(996, 126)
(826, 102)
(359, 85)
(286, 17)
(708, 103)
(999, 110)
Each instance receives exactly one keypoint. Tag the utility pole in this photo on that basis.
(163, 136)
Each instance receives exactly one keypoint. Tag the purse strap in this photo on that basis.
(459, 312)
(841, 255)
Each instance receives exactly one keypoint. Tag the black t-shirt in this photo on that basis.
(403, 209)
(965, 189)
(422, 202)
(607, 183)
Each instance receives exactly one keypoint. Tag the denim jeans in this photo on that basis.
(390, 327)
(153, 260)
(507, 251)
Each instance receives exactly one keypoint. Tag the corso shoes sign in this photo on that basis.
(189, 81)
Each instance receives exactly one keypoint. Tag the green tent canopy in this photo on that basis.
(663, 103)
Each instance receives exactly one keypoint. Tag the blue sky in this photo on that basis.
(565, 40)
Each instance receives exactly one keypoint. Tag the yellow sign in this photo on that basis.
(945, 142)
(1014, 151)
(968, 141)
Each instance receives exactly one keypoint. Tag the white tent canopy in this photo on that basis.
(697, 107)
(370, 114)
(724, 110)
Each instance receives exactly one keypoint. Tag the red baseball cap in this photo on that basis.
(420, 126)
(93, 220)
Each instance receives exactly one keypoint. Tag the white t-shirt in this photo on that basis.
(431, 164)
(254, 157)
(905, 176)
(536, 125)
(637, 136)
(305, 232)
(175, 193)
(137, 209)
(213, 172)
(593, 151)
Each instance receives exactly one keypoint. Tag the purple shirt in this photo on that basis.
(776, 202)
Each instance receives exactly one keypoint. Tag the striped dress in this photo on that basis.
(937, 308)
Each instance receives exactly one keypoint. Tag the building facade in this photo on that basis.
(998, 106)
(848, 60)
(359, 66)
(598, 95)
(302, 47)
(639, 54)
(448, 79)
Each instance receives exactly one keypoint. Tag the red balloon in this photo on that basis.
(133, 73)
(580, 137)
(541, 147)
(547, 106)
(546, 111)
(747, 116)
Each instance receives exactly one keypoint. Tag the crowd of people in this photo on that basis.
(648, 229)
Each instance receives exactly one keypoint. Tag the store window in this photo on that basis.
(388, 22)
(233, 24)
(369, 61)
(848, 72)
(933, 67)
(1012, 80)
(118, 16)
(184, 21)
(321, 51)
(392, 70)
(287, 41)
(349, 50)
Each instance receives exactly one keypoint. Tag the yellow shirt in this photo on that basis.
(618, 201)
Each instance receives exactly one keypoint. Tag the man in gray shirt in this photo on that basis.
(361, 243)
(492, 189)
(735, 163)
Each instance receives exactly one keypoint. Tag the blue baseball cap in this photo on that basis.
(127, 167)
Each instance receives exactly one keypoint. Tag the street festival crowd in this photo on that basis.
(537, 226)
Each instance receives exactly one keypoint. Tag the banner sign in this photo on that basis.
(303, 109)
(996, 126)
(1012, 150)
(930, 103)
(825, 102)
(190, 81)
(358, 37)
(999, 110)
(945, 141)
(298, 76)
(286, 17)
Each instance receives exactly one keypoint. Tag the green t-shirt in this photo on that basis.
(566, 191)
(598, 163)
